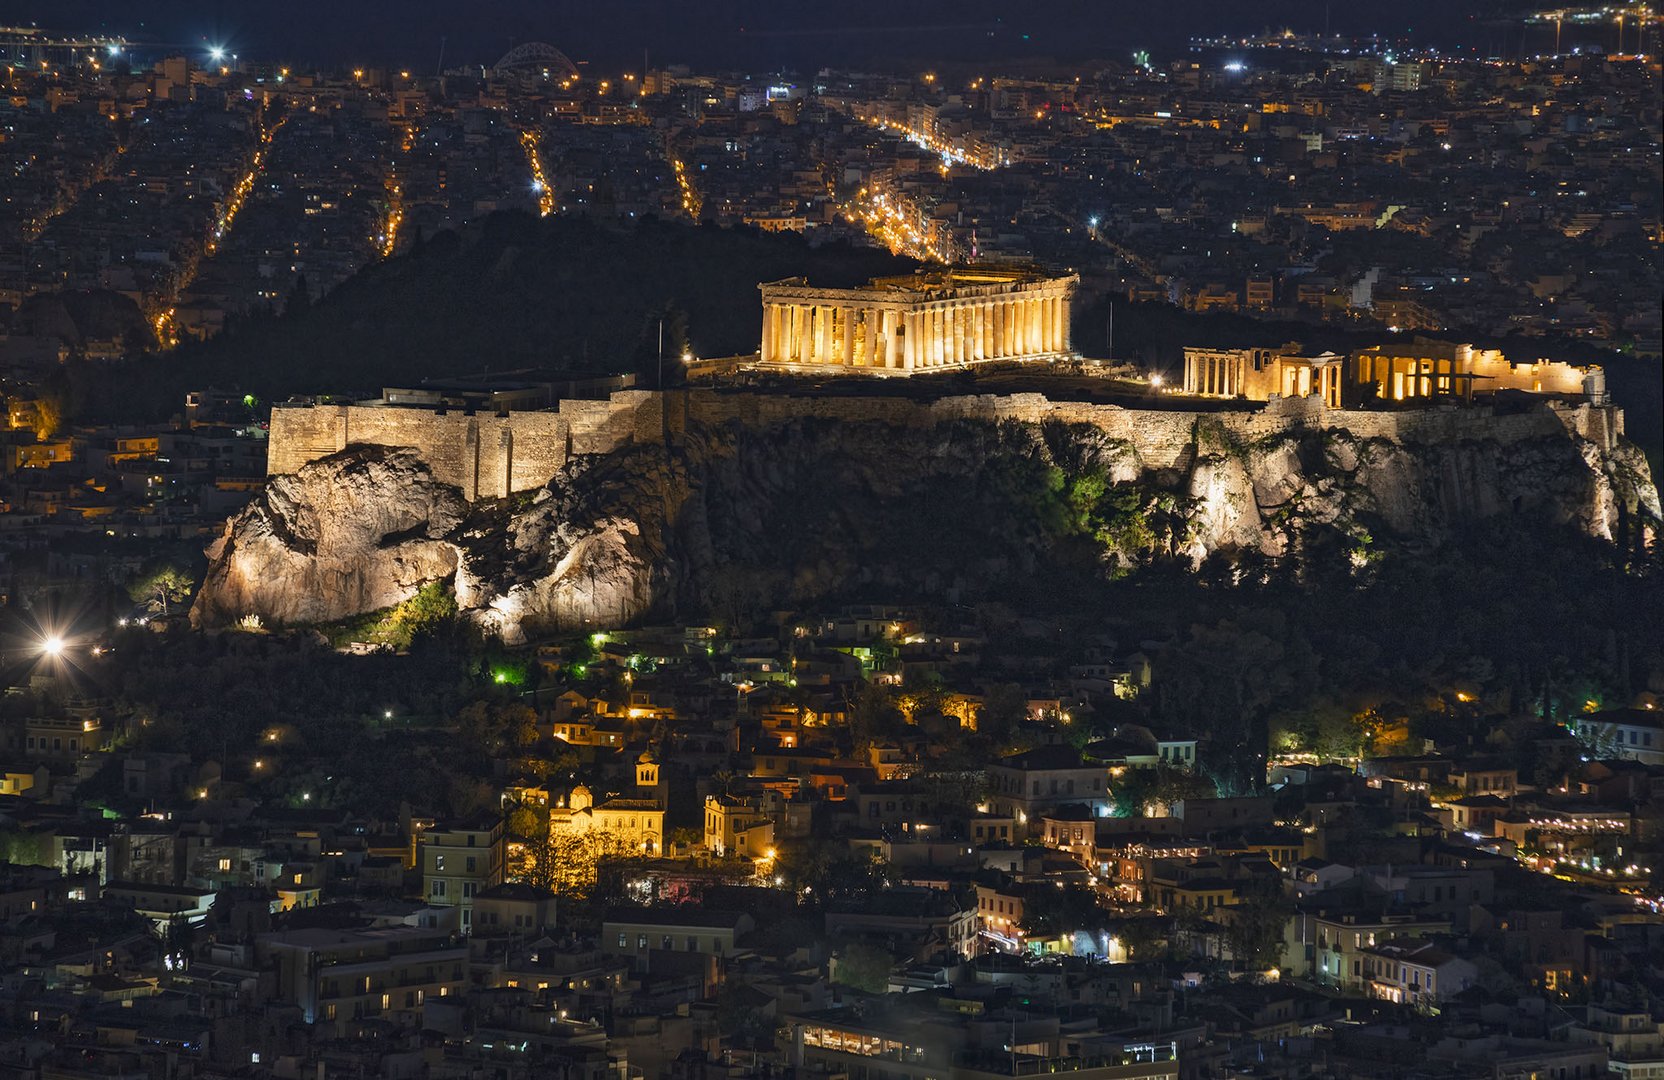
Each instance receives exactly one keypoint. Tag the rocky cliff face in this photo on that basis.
(731, 519)
(361, 532)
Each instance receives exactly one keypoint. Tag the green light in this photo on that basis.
(249, 400)
(597, 639)
(501, 677)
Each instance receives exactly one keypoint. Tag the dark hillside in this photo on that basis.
(564, 294)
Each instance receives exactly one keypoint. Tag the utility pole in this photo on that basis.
(1110, 333)
(660, 384)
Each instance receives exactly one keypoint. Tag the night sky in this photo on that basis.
(749, 34)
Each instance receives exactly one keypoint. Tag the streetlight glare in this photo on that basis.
(53, 646)
(216, 53)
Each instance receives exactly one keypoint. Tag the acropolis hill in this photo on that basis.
(697, 499)
(653, 501)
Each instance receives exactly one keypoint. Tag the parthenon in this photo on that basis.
(926, 321)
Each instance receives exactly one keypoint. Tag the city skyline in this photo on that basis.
(766, 36)
(913, 542)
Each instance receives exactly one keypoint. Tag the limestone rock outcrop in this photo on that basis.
(360, 531)
(725, 518)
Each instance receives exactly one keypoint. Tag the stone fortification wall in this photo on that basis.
(484, 454)
(488, 456)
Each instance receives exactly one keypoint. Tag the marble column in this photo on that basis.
(847, 315)
(829, 336)
(979, 330)
(910, 341)
(765, 352)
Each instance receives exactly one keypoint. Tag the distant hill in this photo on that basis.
(513, 291)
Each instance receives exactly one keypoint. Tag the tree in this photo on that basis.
(524, 821)
(873, 715)
(48, 416)
(864, 967)
(1257, 927)
(1003, 709)
(567, 862)
(164, 585)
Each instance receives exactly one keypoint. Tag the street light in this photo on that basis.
(53, 646)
